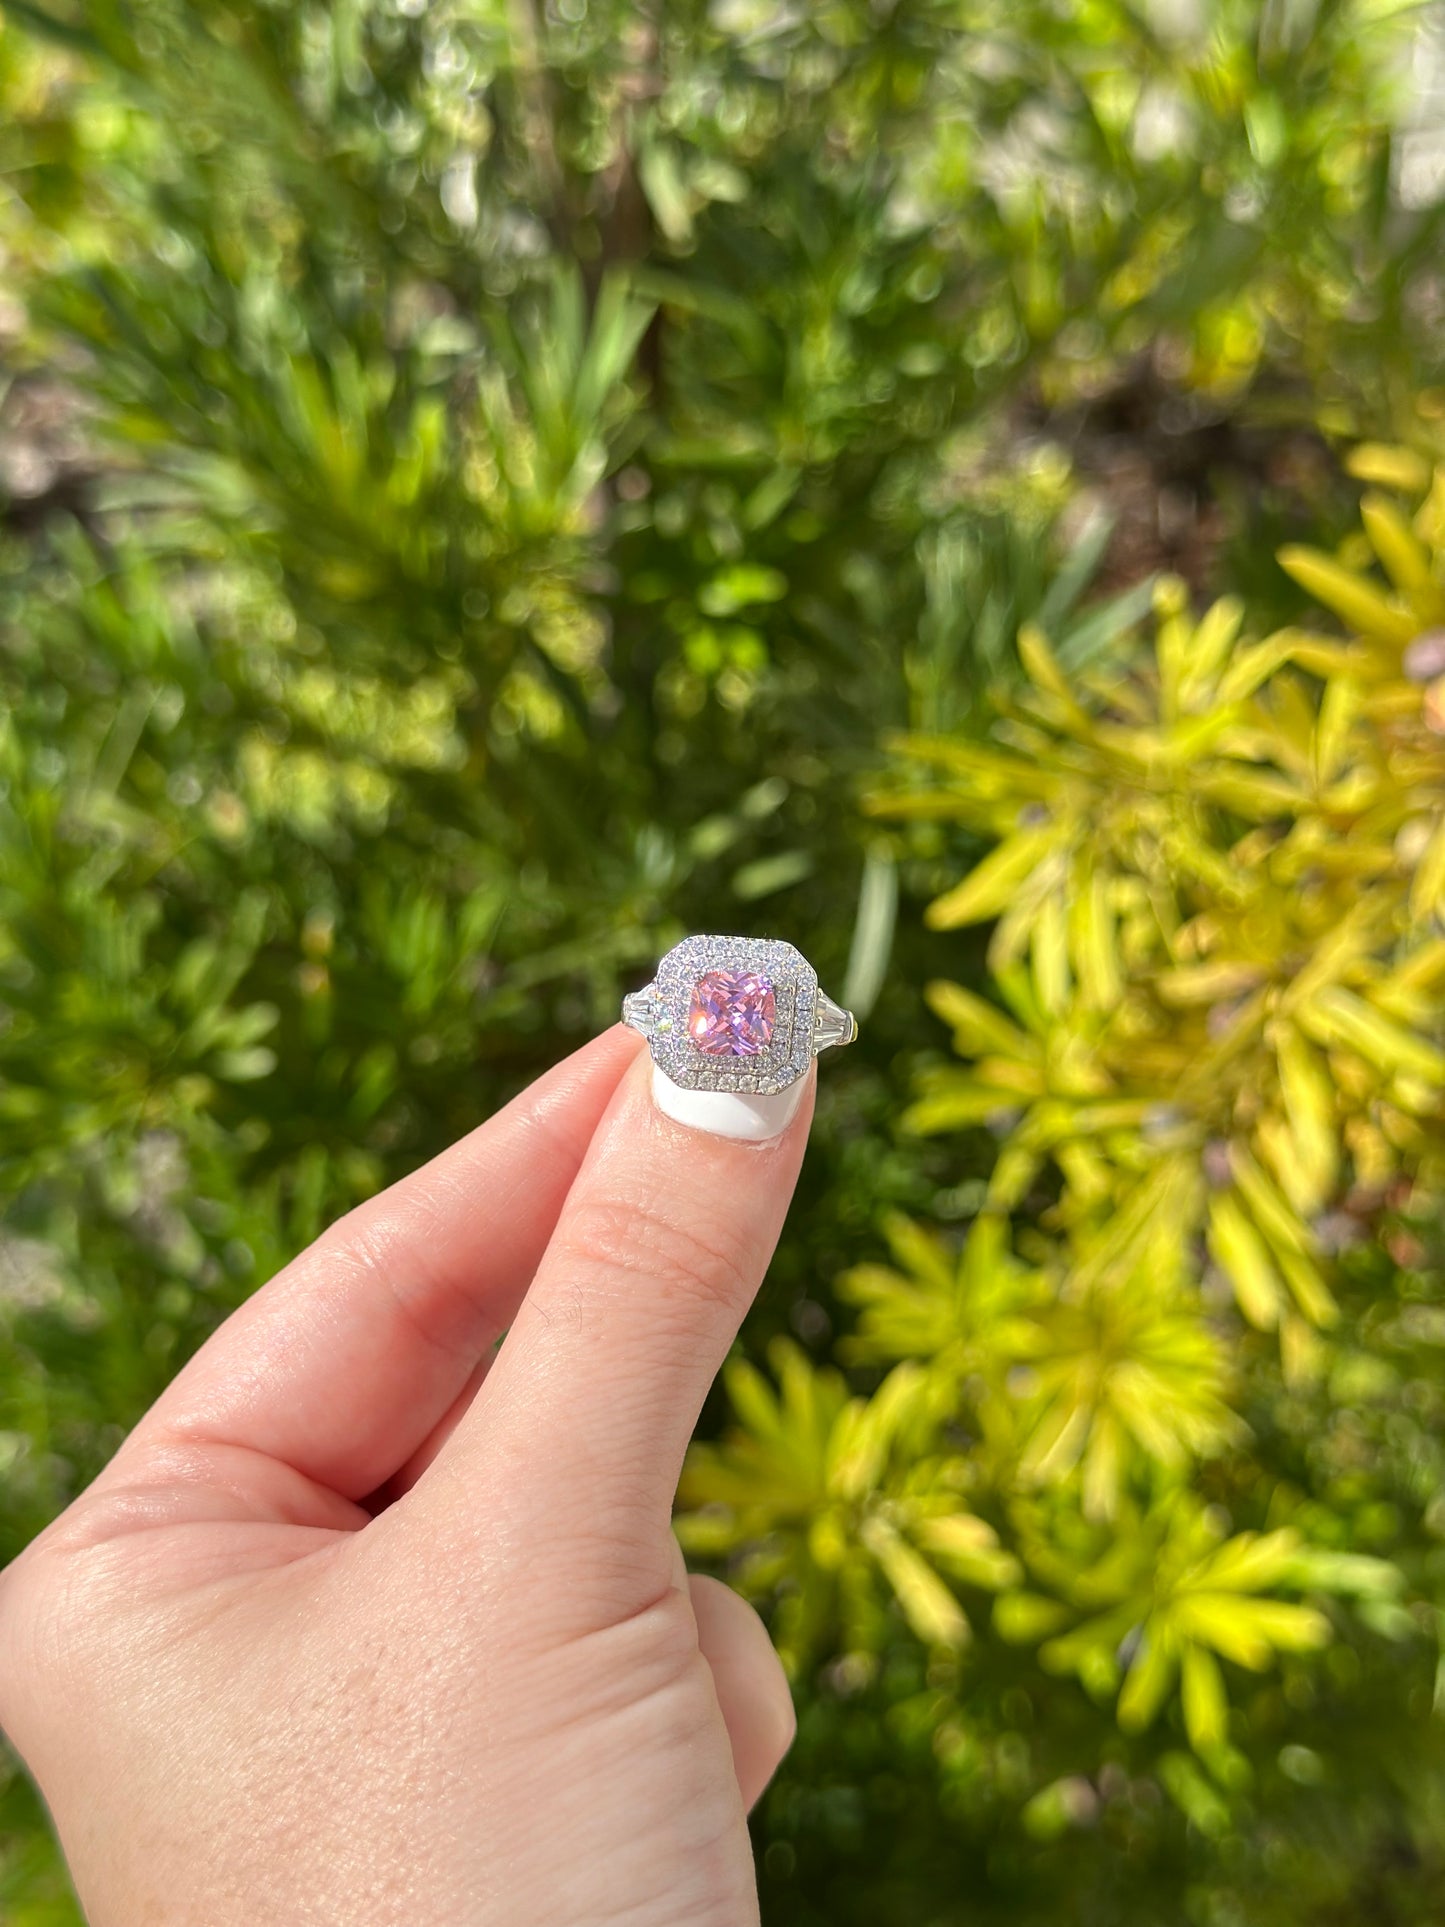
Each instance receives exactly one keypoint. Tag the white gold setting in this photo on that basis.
(804, 1019)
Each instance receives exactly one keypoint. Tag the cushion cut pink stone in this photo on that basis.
(732, 1013)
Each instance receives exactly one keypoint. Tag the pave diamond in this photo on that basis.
(783, 1037)
(732, 1013)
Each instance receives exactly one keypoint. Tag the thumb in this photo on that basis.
(658, 1252)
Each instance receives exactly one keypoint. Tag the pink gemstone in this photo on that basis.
(732, 1013)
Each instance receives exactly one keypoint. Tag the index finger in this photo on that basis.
(345, 1361)
(658, 1252)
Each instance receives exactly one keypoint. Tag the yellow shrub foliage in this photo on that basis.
(1216, 1057)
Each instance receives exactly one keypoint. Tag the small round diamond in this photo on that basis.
(732, 1013)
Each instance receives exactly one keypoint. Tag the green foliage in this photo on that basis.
(478, 486)
(1215, 904)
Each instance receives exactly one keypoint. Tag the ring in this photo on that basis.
(736, 1014)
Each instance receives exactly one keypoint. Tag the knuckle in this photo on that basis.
(446, 1317)
(42, 1636)
(698, 1263)
(14, 1642)
(641, 1653)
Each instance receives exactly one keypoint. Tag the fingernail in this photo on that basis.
(738, 1114)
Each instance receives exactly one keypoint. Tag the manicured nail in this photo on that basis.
(728, 1113)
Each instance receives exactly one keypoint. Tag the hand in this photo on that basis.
(371, 1621)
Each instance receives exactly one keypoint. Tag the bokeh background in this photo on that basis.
(489, 486)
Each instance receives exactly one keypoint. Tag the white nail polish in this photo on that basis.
(735, 1114)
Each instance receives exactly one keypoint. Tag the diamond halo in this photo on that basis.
(740, 1014)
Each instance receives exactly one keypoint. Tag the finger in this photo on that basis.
(407, 1474)
(347, 1360)
(752, 1688)
(657, 1254)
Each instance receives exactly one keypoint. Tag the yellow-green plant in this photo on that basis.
(1215, 1061)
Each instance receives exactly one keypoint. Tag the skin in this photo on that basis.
(372, 1621)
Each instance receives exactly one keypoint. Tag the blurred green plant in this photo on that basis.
(1215, 890)
(475, 481)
